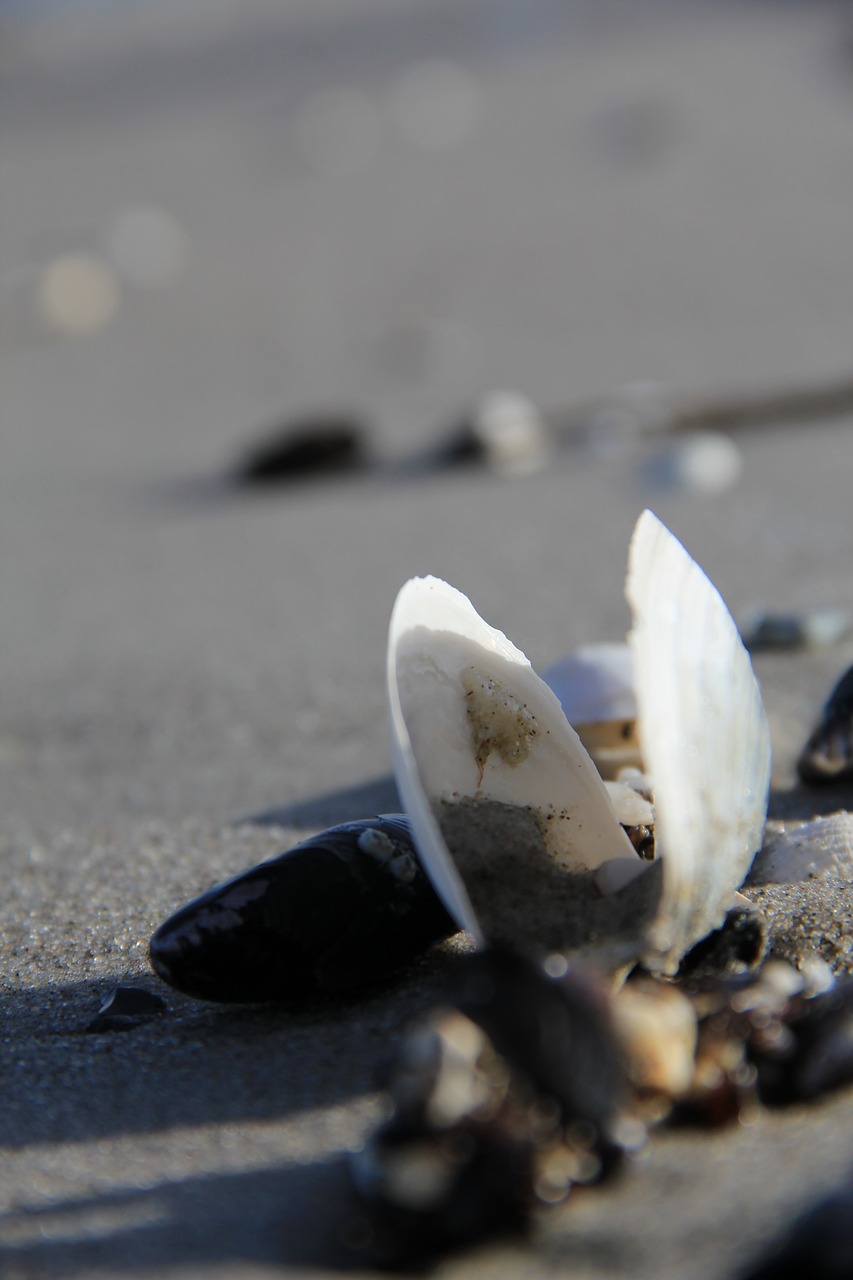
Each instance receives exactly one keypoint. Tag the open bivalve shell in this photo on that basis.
(511, 818)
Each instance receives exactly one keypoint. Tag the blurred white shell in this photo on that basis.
(595, 685)
(595, 682)
(818, 850)
(703, 734)
(471, 723)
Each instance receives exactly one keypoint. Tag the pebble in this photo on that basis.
(810, 629)
(304, 448)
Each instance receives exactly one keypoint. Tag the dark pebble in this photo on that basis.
(828, 754)
(125, 1008)
(819, 1245)
(300, 450)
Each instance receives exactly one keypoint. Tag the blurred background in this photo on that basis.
(299, 299)
(223, 223)
(218, 214)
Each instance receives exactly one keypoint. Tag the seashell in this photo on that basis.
(775, 1037)
(335, 913)
(630, 806)
(704, 462)
(814, 1056)
(811, 629)
(704, 737)
(828, 754)
(481, 745)
(125, 1008)
(506, 432)
(656, 1024)
(595, 685)
(505, 801)
(821, 849)
(488, 1121)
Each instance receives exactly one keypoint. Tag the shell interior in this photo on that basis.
(486, 761)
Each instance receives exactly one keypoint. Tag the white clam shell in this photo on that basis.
(631, 808)
(471, 720)
(595, 682)
(818, 850)
(704, 738)
(595, 685)
(472, 723)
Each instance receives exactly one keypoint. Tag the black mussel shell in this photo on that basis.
(818, 1245)
(336, 913)
(311, 447)
(503, 1098)
(556, 1032)
(828, 754)
(816, 1055)
(761, 1041)
(739, 944)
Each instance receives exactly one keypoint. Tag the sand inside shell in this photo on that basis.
(522, 897)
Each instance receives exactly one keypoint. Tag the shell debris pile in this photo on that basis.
(591, 831)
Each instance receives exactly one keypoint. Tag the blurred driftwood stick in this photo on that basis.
(656, 409)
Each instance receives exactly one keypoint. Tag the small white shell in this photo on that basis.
(703, 462)
(595, 685)
(595, 682)
(822, 849)
(631, 808)
(704, 738)
(471, 720)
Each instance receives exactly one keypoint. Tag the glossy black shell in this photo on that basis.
(336, 913)
(551, 1048)
(828, 754)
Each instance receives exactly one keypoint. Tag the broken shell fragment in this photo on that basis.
(657, 1026)
(125, 1008)
(336, 913)
(828, 754)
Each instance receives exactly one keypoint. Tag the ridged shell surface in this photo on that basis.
(704, 738)
(818, 850)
